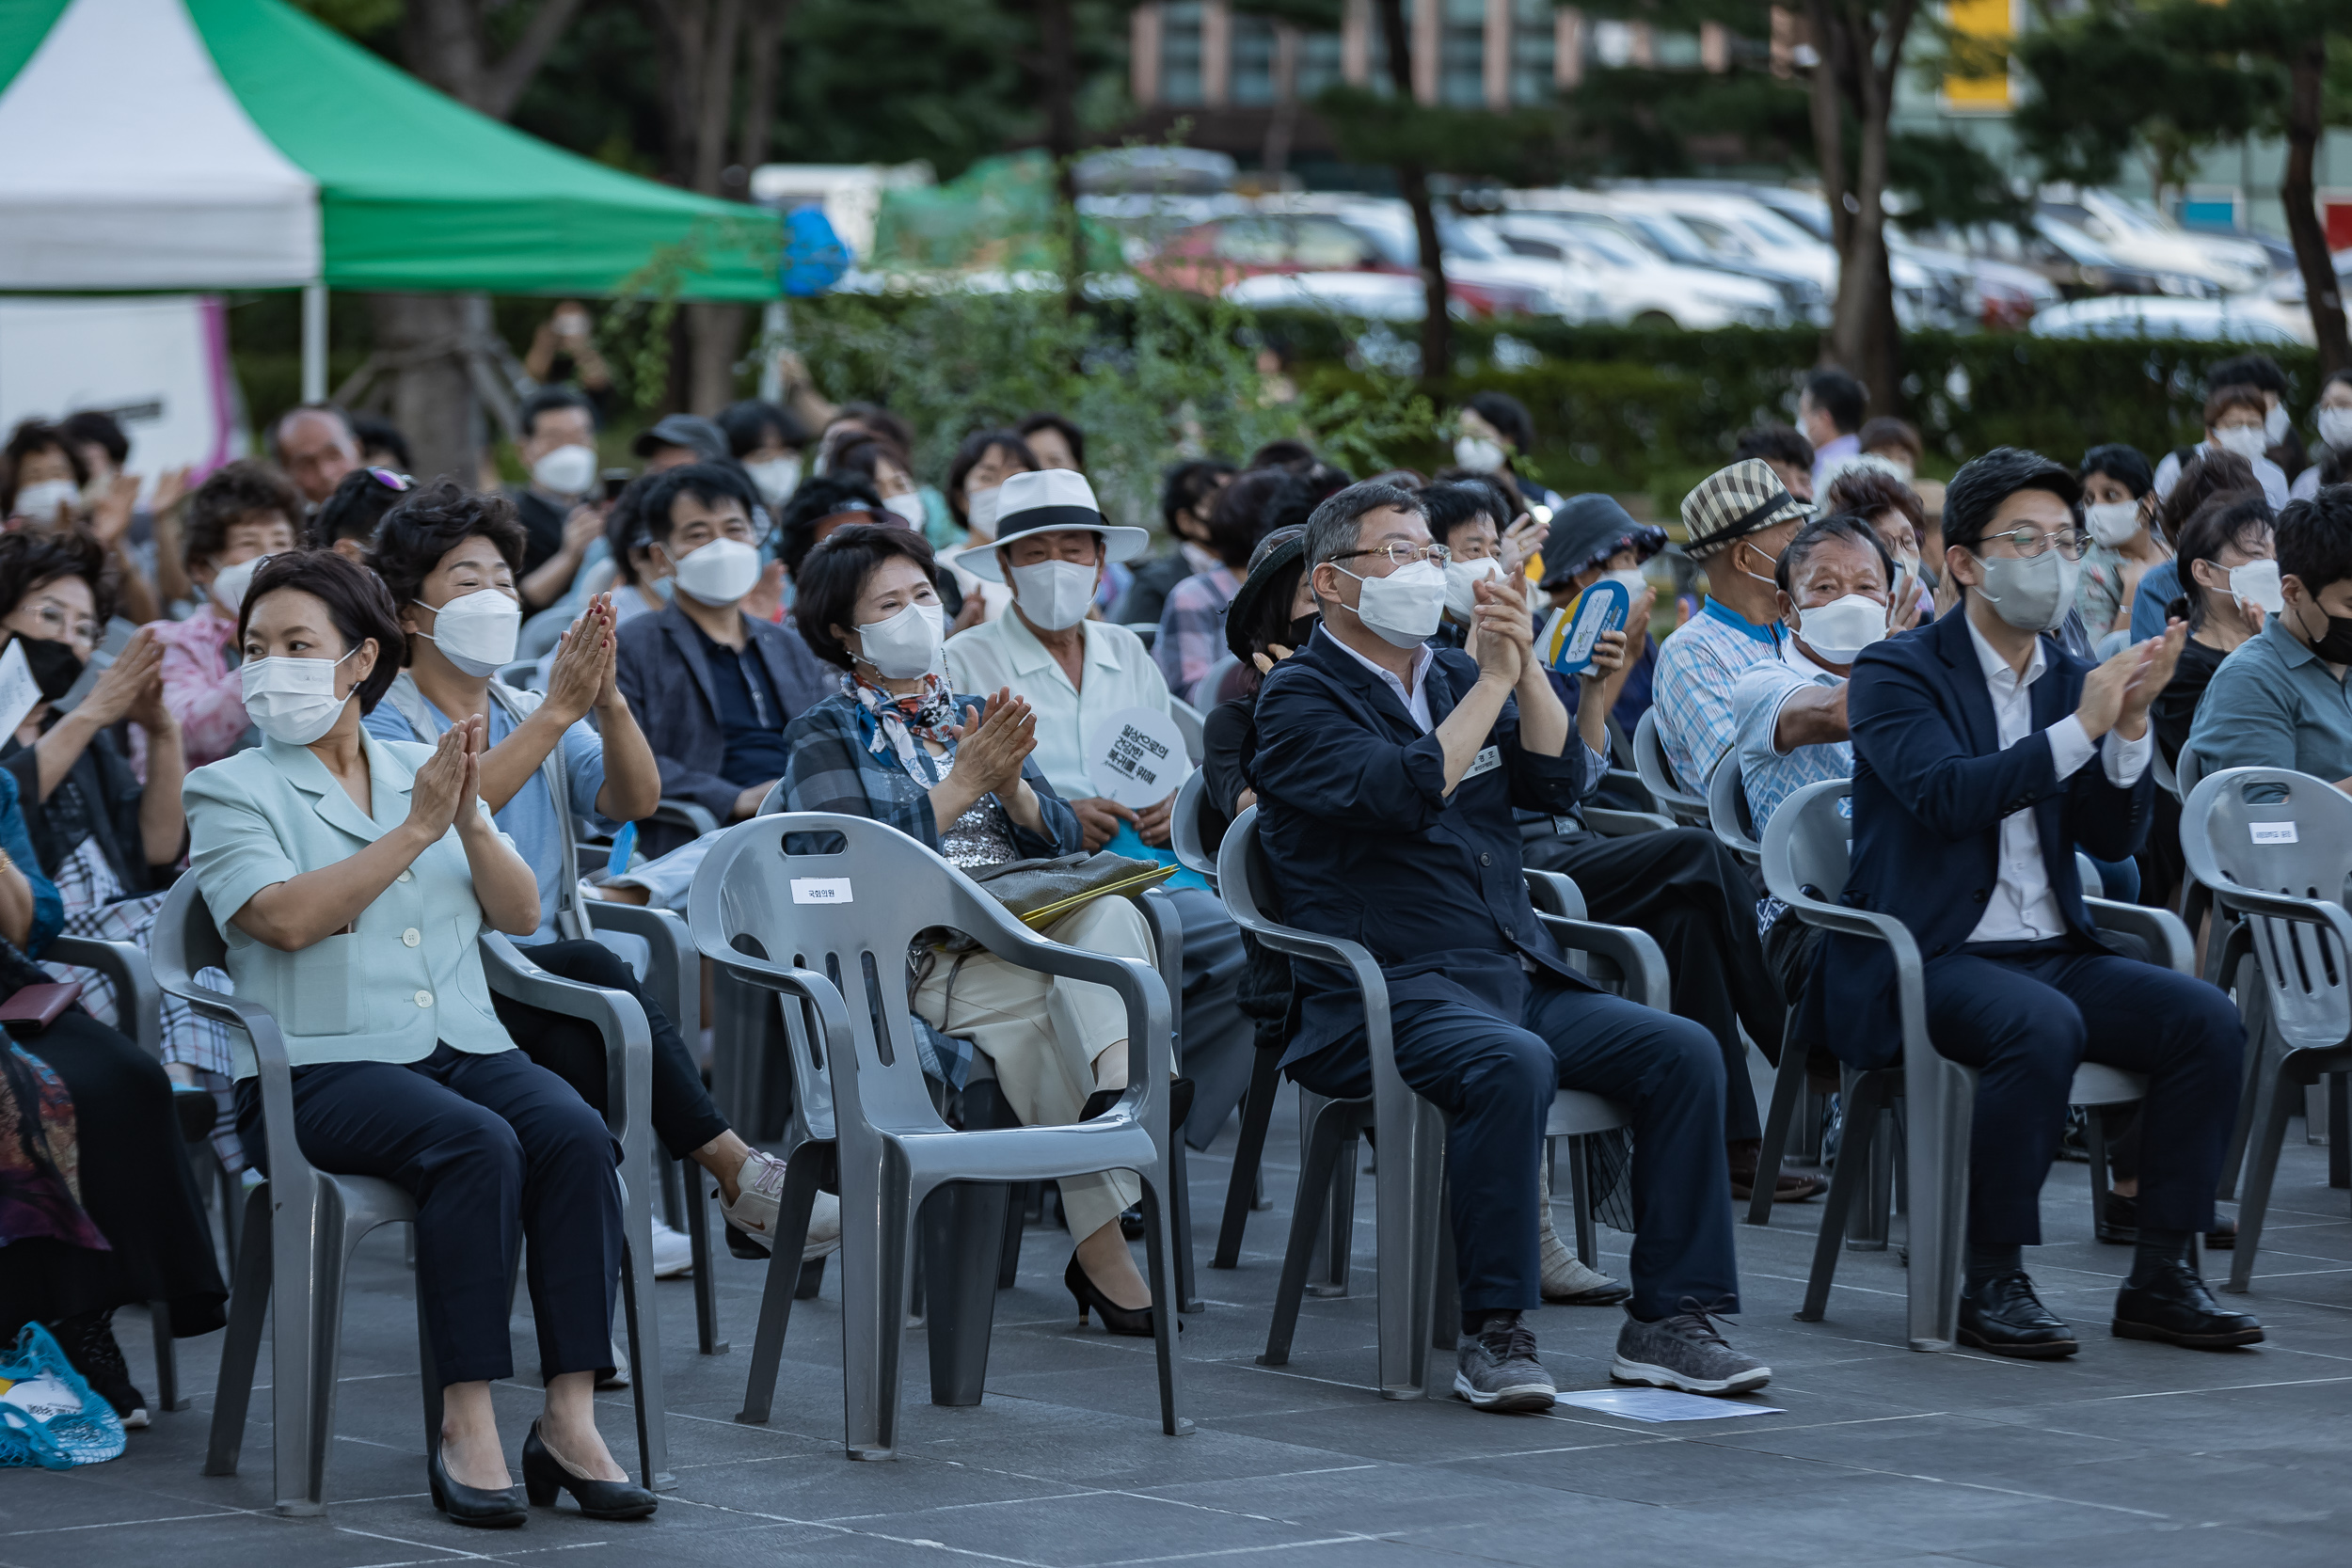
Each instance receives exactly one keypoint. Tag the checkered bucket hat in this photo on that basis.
(1731, 503)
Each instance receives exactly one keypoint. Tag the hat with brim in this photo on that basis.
(1590, 528)
(695, 434)
(1058, 500)
(1731, 503)
(1284, 549)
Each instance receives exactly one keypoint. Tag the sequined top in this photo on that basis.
(980, 836)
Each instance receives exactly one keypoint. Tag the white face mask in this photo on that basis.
(1843, 627)
(979, 507)
(2113, 523)
(567, 470)
(906, 645)
(1055, 594)
(2335, 427)
(1461, 577)
(230, 583)
(292, 700)
(719, 573)
(2031, 593)
(1634, 582)
(2257, 583)
(2246, 440)
(1481, 454)
(776, 478)
(909, 506)
(2274, 424)
(40, 501)
(476, 631)
(1404, 607)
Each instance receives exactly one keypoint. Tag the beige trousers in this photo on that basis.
(1042, 1032)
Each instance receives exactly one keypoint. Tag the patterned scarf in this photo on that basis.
(900, 721)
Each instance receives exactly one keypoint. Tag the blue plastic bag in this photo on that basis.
(48, 1416)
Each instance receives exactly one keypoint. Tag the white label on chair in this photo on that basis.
(822, 890)
(1485, 762)
(1137, 757)
(2273, 833)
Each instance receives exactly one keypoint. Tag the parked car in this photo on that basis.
(1209, 258)
(2136, 235)
(2240, 319)
(1634, 284)
(1669, 239)
(1375, 295)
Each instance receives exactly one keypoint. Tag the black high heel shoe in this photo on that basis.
(544, 1473)
(1135, 1321)
(482, 1507)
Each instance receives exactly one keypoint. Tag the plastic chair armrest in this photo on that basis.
(685, 813)
(672, 976)
(1621, 824)
(2161, 929)
(1636, 954)
(125, 964)
(2240, 899)
(813, 1082)
(627, 1038)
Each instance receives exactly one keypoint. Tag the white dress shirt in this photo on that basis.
(1416, 701)
(2024, 907)
(1119, 674)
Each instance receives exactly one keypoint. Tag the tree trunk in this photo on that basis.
(1274, 156)
(1412, 183)
(1058, 77)
(431, 397)
(1864, 337)
(2307, 76)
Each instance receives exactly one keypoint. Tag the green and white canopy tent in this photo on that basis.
(175, 145)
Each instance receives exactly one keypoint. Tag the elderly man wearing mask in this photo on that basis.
(1051, 546)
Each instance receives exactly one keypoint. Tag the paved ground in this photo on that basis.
(2131, 1453)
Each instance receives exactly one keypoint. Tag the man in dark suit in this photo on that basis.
(1387, 771)
(714, 685)
(1984, 753)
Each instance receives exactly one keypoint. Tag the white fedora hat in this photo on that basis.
(1058, 500)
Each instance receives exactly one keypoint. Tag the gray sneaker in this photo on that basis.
(1685, 1352)
(1496, 1368)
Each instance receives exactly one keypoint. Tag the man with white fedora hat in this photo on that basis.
(1051, 544)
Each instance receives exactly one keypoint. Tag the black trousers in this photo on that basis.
(1694, 897)
(135, 1186)
(495, 1150)
(2025, 1015)
(1495, 1083)
(684, 1118)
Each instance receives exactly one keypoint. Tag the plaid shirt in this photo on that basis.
(1770, 774)
(1697, 667)
(1192, 626)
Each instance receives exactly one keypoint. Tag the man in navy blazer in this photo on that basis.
(1984, 753)
(1386, 772)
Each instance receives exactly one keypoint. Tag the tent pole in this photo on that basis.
(315, 342)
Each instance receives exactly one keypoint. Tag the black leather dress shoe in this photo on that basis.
(2121, 1225)
(482, 1507)
(2176, 1308)
(2004, 1316)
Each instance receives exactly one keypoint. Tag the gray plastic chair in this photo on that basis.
(1728, 810)
(302, 1224)
(1657, 775)
(1184, 828)
(522, 674)
(685, 813)
(1189, 720)
(753, 913)
(2161, 770)
(1149, 631)
(1807, 845)
(543, 630)
(2289, 892)
(1215, 684)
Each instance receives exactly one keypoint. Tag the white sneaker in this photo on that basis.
(618, 1376)
(672, 1252)
(1566, 1277)
(758, 1200)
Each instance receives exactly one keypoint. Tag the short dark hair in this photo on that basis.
(811, 503)
(1817, 531)
(880, 420)
(32, 436)
(825, 590)
(1886, 431)
(1337, 524)
(2316, 539)
(356, 600)
(1840, 396)
(1237, 520)
(748, 422)
(378, 435)
(1070, 432)
(2257, 371)
(1775, 443)
(974, 450)
(1282, 453)
(236, 493)
(2126, 466)
(2224, 520)
(1977, 492)
(708, 482)
(866, 454)
(32, 558)
(95, 427)
(1187, 485)
(354, 508)
(413, 535)
(1866, 492)
(1456, 505)
(1509, 417)
(2202, 477)
(2222, 399)
(546, 400)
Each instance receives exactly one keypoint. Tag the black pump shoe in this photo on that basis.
(2004, 1316)
(482, 1507)
(1132, 1320)
(544, 1475)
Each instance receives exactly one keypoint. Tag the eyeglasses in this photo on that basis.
(1402, 555)
(60, 625)
(2031, 542)
(391, 481)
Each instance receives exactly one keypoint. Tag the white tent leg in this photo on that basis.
(315, 342)
(775, 329)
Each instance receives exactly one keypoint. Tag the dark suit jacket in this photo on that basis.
(664, 673)
(1363, 841)
(1931, 787)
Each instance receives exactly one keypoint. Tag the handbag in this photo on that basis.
(48, 1416)
(1039, 891)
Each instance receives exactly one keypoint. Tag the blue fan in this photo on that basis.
(814, 256)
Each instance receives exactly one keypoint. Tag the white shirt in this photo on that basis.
(1118, 673)
(2272, 477)
(1416, 701)
(2024, 907)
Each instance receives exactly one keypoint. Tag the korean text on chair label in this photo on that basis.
(2273, 833)
(822, 890)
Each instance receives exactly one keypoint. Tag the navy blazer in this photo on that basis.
(1364, 843)
(1931, 787)
(663, 673)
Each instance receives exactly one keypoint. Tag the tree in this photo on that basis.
(1860, 44)
(2177, 75)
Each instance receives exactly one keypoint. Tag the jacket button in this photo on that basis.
(1485, 858)
(411, 937)
(404, 877)
(424, 999)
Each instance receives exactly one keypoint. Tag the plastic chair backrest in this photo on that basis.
(1184, 828)
(1728, 810)
(2187, 772)
(1209, 690)
(1809, 842)
(523, 674)
(1149, 631)
(1188, 720)
(2166, 779)
(1657, 775)
(2274, 831)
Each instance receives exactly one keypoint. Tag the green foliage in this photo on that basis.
(1654, 124)
(1949, 178)
(1519, 146)
(1002, 213)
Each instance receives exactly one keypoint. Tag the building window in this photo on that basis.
(1253, 60)
(1534, 33)
(1462, 52)
(1318, 64)
(1179, 54)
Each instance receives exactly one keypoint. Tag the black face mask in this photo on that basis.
(1301, 629)
(53, 666)
(2334, 645)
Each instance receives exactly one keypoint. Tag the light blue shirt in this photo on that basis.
(1698, 664)
(529, 818)
(1769, 774)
